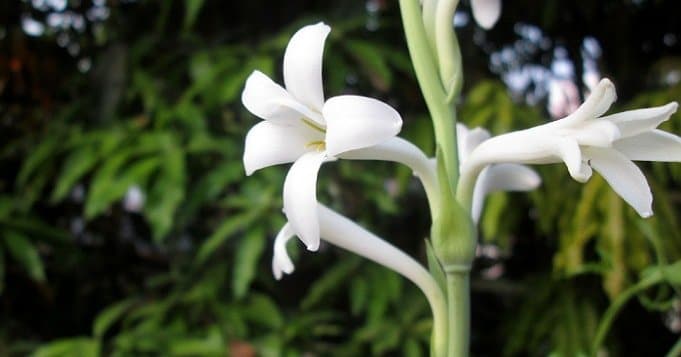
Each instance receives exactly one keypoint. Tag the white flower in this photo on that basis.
(486, 12)
(585, 140)
(498, 177)
(301, 127)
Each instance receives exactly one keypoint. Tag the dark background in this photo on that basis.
(128, 227)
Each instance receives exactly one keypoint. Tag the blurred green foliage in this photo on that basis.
(187, 273)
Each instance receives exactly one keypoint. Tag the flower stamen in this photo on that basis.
(318, 145)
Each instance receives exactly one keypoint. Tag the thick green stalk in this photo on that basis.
(458, 312)
(452, 234)
(426, 68)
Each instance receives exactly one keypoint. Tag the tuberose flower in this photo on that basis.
(486, 12)
(300, 127)
(585, 140)
(497, 177)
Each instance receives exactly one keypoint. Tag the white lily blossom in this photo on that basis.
(300, 127)
(497, 177)
(486, 12)
(586, 140)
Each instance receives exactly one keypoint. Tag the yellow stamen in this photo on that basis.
(318, 145)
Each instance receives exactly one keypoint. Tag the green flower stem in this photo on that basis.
(452, 234)
(434, 93)
(458, 311)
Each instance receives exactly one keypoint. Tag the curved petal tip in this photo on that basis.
(303, 64)
(281, 263)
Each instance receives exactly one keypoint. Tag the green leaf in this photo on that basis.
(373, 62)
(166, 193)
(262, 310)
(246, 261)
(210, 186)
(656, 274)
(22, 251)
(36, 158)
(79, 346)
(107, 317)
(231, 86)
(389, 339)
(77, 164)
(109, 186)
(411, 348)
(6, 206)
(226, 229)
(144, 84)
(330, 281)
(192, 9)
(212, 345)
(359, 293)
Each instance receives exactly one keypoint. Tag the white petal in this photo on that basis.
(571, 154)
(281, 263)
(634, 122)
(511, 177)
(479, 195)
(655, 145)
(300, 198)
(270, 144)
(595, 105)
(486, 12)
(599, 132)
(502, 177)
(529, 147)
(396, 150)
(303, 65)
(469, 139)
(354, 122)
(269, 101)
(624, 177)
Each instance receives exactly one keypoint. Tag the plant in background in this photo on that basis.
(123, 196)
(300, 127)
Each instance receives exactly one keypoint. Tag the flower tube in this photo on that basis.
(344, 233)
